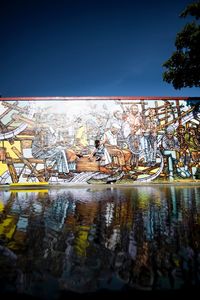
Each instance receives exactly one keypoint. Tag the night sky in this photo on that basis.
(88, 48)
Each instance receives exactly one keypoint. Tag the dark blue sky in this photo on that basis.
(88, 47)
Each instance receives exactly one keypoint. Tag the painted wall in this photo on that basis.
(99, 141)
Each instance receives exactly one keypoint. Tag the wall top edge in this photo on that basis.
(78, 98)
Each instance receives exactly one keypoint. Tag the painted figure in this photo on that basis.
(47, 145)
(170, 148)
(110, 141)
(150, 137)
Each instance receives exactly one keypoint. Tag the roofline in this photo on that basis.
(84, 98)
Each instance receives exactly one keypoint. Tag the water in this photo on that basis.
(86, 240)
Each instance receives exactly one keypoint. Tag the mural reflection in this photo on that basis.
(89, 239)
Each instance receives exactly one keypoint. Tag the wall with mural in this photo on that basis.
(99, 140)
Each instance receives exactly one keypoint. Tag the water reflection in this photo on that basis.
(85, 240)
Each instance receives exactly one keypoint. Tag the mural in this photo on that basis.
(99, 140)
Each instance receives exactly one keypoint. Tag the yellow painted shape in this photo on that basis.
(7, 227)
(1, 206)
(8, 146)
(140, 168)
(143, 176)
(29, 190)
(154, 171)
(81, 240)
(3, 168)
(29, 184)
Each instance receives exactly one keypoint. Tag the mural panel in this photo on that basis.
(99, 141)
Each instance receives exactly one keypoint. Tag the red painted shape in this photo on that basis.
(88, 98)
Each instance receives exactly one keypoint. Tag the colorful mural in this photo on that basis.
(98, 140)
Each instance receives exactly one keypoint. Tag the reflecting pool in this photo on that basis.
(86, 240)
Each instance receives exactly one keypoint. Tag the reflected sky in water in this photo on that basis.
(89, 239)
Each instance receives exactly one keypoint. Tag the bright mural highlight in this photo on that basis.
(98, 141)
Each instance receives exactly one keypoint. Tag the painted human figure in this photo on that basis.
(150, 137)
(170, 147)
(184, 153)
(110, 142)
(135, 139)
(135, 120)
(136, 150)
(47, 144)
(84, 136)
(191, 138)
(100, 153)
(119, 118)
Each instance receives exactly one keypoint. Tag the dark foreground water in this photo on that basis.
(89, 240)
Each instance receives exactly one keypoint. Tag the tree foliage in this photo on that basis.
(183, 67)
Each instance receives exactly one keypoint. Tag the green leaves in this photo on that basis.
(183, 68)
(193, 10)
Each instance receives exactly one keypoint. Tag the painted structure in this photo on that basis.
(99, 139)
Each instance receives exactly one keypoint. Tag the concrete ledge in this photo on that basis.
(47, 186)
